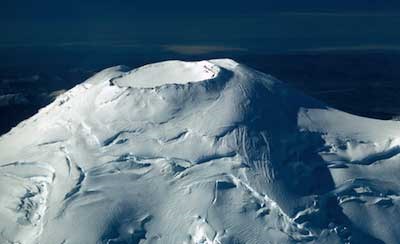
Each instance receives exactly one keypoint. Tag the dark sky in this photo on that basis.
(249, 25)
(68, 9)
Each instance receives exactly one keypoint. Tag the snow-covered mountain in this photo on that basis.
(197, 152)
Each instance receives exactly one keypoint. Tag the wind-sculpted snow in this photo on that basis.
(208, 152)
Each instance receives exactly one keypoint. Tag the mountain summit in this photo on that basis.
(208, 152)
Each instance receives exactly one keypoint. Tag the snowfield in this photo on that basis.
(209, 152)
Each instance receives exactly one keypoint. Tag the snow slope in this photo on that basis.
(197, 152)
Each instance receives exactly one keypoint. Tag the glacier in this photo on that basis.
(209, 152)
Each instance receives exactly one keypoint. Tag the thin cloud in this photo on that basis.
(75, 44)
(200, 49)
(352, 48)
(341, 14)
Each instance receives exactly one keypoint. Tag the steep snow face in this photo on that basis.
(202, 152)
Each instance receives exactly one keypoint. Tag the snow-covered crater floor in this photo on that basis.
(169, 72)
(197, 152)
